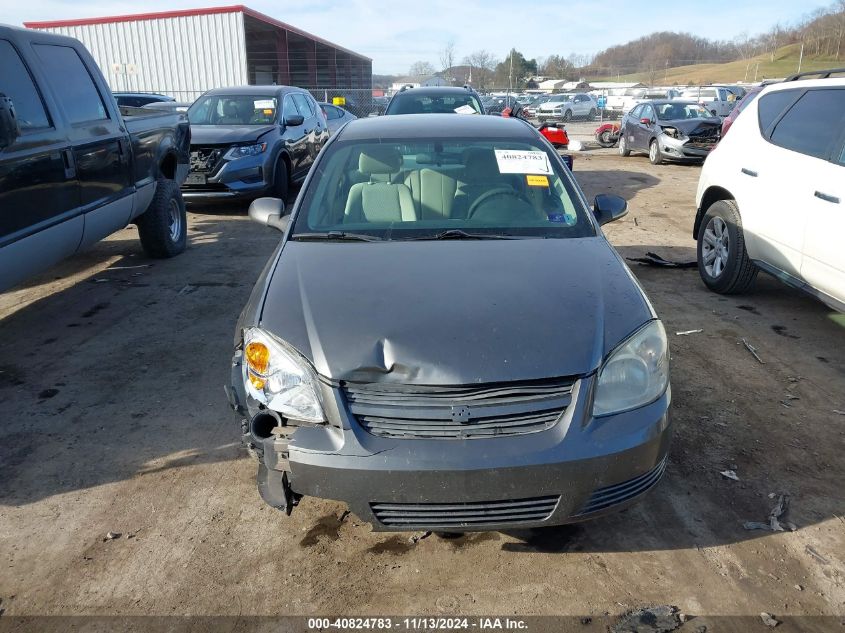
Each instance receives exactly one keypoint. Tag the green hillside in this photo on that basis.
(785, 63)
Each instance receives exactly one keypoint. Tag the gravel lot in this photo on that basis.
(114, 419)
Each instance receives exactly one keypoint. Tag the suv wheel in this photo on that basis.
(567, 116)
(723, 262)
(593, 114)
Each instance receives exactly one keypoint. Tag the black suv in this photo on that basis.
(435, 100)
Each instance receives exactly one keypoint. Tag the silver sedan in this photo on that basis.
(336, 116)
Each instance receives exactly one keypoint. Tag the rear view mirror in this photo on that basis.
(294, 119)
(9, 129)
(608, 207)
(269, 212)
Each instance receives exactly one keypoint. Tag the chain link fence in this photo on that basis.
(359, 102)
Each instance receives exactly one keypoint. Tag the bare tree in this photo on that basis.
(421, 69)
(481, 64)
(447, 59)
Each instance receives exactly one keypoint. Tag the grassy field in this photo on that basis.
(785, 63)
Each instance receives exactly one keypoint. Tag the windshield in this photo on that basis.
(233, 110)
(676, 111)
(394, 190)
(437, 104)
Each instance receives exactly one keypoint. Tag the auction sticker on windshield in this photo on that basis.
(514, 161)
(264, 104)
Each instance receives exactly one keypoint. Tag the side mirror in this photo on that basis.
(606, 207)
(269, 212)
(645, 121)
(294, 119)
(9, 128)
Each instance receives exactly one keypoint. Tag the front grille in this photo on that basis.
(608, 496)
(707, 136)
(463, 515)
(465, 412)
(206, 159)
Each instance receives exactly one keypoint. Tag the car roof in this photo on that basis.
(435, 90)
(254, 90)
(426, 126)
(658, 102)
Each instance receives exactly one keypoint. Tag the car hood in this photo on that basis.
(453, 311)
(227, 134)
(551, 105)
(694, 127)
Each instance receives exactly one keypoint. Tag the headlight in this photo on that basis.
(635, 374)
(241, 151)
(278, 377)
(674, 133)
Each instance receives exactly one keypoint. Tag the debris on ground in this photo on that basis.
(186, 289)
(812, 552)
(653, 259)
(416, 538)
(774, 524)
(659, 619)
(111, 536)
(753, 351)
(838, 412)
(769, 620)
(729, 474)
(586, 620)
(799, 587)
(688, 332)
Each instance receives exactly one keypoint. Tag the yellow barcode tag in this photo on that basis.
(537, 181)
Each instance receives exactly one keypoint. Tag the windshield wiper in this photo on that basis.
(460, 234)
(336, 235)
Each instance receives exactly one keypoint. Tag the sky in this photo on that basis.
(396, 34)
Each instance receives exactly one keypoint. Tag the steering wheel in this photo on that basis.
(498, 191)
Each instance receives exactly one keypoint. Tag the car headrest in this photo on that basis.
(381, 159)
(480, 165)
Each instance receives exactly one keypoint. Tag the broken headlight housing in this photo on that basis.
(241, 151)
(277, 376)
(674, 132)
(635, 374)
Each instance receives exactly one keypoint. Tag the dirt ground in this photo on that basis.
(113, 418)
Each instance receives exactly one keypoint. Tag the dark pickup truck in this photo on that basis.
(74, 167)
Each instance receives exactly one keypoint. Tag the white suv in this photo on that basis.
(772, 194)
(568, 106)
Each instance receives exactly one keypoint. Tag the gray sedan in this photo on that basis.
(336, 116)
(445, 340)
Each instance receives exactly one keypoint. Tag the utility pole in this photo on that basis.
(801, 56)
(510, 75)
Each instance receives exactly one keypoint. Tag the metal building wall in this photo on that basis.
(179, 56)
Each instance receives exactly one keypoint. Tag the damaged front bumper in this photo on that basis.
(684, 149)
(580, 468)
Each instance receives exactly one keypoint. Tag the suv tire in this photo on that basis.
(281, 180)
(163, 227)
(723, 261)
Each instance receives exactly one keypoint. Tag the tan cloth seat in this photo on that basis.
(433, 193)
(375, 201)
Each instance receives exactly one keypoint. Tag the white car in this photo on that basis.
(719, 101)
(566, 107)
(772, 194)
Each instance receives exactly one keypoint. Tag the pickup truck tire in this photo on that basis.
(163, 227)
(723, 261)
(281, 179)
